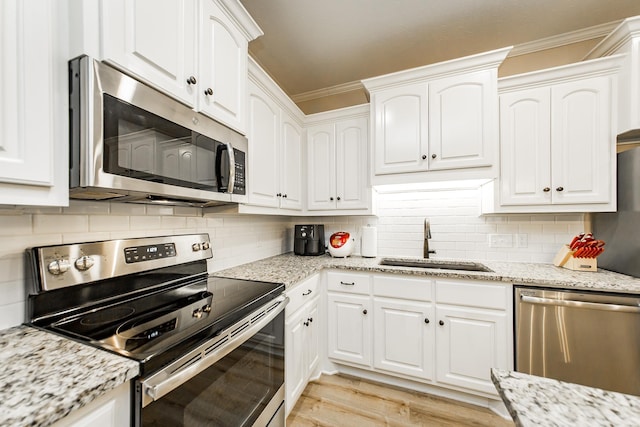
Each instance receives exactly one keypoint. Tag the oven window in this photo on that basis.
(142, 145)
(232, 392)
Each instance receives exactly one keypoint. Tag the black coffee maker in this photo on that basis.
(309, 239)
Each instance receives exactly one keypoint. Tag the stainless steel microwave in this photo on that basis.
(132, 143)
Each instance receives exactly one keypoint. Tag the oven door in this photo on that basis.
(235, 379)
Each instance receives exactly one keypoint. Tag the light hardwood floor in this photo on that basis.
(340, 400)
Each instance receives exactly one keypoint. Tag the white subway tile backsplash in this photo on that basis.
(86, 207)
(16, 225)
(128, 209)
(12, 314)
(149, 222)
(159, 210)
(108, 223)
(43, 224)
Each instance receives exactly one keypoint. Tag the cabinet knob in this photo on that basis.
(191, 80)
(306, 323)
(433, 156)
(426, 321)
(279, 195)
(338, 198)
(546, 189)
(284, 195)
(424, 157)
(364, 311)
(310, 319)
(560, 189)
(331, 198)
(209, 91)
(441, 323)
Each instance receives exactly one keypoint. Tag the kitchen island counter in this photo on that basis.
(291, 269)
(45, 377)
(536, 401)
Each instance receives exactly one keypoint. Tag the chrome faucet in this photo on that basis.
(427, 236)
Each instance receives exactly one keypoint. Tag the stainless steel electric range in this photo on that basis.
(211, 349)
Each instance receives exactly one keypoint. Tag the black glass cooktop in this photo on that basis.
(154, 329)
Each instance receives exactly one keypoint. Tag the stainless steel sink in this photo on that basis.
(439, 264)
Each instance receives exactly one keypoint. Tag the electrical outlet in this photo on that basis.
(500, 240)
(522, 240)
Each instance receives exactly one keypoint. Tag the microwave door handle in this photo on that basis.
(232, 168)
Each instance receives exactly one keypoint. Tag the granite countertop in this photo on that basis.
(44, 376)
(291, 269)
(535, 401)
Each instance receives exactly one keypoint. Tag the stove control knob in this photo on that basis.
(197, 313)
(205, 246)
(195, 247)
(84, 263)
(206, 308)
(58, 267)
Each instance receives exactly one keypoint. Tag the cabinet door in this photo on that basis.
(470, 342)
(223, 67)
(312, 337)
(33, 103)
(583, 142)
(295, 360)
(154, 39)
(291, 164)
(404, 334)
(463, 121)
(525, 147)
(112, 409)
(401, 133)
(264, 132)
(321, 154)
(349, 328)
(351, 164)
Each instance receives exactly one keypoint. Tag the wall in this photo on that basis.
(235, 239)
(459, 232)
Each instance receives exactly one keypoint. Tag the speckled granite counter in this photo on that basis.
(291, 269)
(44, 377)
(540, 402)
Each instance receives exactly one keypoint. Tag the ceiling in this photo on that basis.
(310, 45)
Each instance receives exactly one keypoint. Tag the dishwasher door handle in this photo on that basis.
(580, 304)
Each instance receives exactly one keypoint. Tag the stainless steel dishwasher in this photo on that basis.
(586, 338)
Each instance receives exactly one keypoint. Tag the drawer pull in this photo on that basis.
(347, 283)
(304, 294)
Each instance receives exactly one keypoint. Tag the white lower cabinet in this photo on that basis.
(113, 409)
(447, 333)
(349, 320)
(403, 340)
(469, 342)
(302, 325)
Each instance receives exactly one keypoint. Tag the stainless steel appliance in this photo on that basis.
(621, 230)
(581, 337)
(131, 143)
(210, 349)
(309, 239)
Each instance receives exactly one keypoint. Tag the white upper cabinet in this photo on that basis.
(434, 122)
(462, 127)
(263, 134)
(34, 136)
(401, 138)
(337, 160)
(156, 40)
(194, 51)
(275, 147)
(223, 66)
(625, 39)
(557, 139)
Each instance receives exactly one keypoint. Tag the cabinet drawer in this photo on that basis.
(493, 296)
(403, 287)
(301, 293)
(348, 282)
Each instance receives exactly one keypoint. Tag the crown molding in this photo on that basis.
(564, 39)
(328, 91)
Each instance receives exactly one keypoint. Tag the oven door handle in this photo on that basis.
(176, 374)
